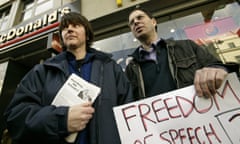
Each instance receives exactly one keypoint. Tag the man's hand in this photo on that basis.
(207, 80)
(79, 116)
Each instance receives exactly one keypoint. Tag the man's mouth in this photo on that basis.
(71, 37)
(138, 29)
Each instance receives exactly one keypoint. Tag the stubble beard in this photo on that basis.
(72, 46)
(142, 37)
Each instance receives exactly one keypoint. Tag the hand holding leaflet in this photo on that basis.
(75, 91)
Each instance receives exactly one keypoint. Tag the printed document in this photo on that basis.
(75, 91)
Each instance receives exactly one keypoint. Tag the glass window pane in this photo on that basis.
(7, 11)
(28, 4)
(27, 10)
(227, 20)
(4, 25)
(40, 1)
(3, 69)
(4, 16)
(27, 15)
(43, 7)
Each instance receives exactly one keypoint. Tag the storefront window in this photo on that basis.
(42, 7)
(224, 26)
(27, 10)
(3, 68)
(4, 17)
(35, 7)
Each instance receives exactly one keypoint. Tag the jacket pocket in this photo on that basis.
(186, 68)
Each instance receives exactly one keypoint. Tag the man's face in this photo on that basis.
(74, 36)
(141, 24)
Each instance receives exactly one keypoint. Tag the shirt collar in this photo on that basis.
(152, 48)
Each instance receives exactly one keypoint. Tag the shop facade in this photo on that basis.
(29, 31)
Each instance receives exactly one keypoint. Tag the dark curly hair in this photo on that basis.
(75, 18)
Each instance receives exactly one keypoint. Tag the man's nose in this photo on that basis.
(135, 21)
(70, 28)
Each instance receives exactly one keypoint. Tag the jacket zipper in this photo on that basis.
(173, 68)
(141, 80)
(99, 103)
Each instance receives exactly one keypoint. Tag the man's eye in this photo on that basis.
(139, 17)
(131, 23)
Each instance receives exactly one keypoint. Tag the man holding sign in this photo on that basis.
(178, 117)
(159, 65)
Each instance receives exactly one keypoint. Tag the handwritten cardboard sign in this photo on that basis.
(181, 117)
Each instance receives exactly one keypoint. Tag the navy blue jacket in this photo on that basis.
(31, 119)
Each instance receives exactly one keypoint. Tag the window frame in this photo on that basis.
(4, 17)
(32, 9)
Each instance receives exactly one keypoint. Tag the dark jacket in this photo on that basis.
(184, 57)
(31, 119)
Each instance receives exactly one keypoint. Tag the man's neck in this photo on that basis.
(147, 43)
(79, 53)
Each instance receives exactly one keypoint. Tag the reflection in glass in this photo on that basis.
(223, 26)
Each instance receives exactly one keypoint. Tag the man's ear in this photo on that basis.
(61, 41)
(154, 21)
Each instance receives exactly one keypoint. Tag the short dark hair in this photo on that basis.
(75, 18)
(147, 12)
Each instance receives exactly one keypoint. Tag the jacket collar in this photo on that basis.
(60, 60)
(162, 43)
